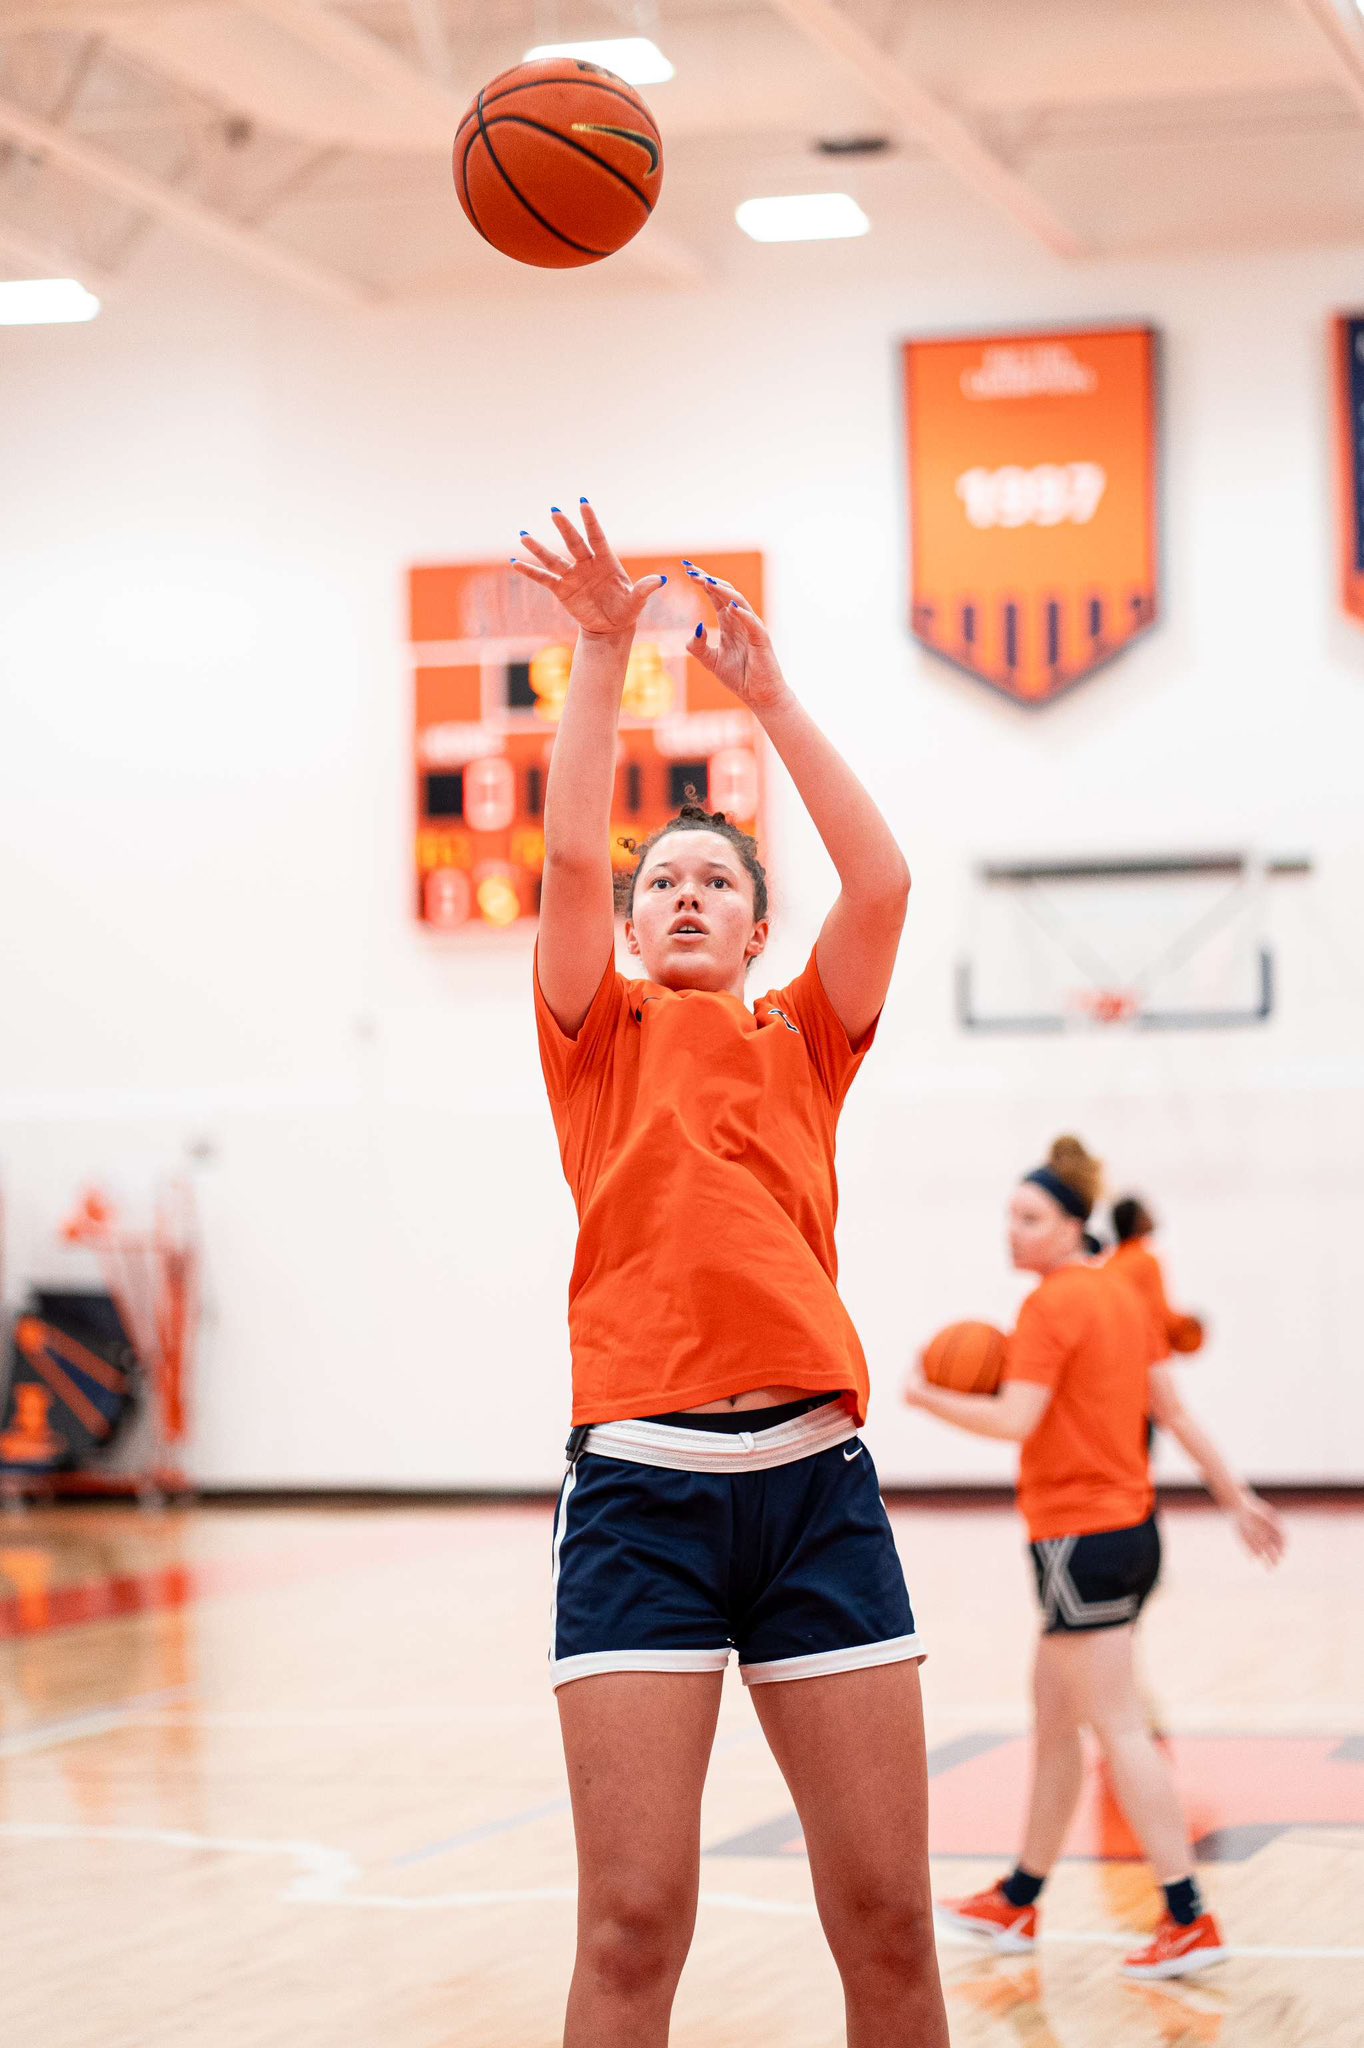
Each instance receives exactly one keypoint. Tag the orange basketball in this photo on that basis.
(967, 1357)
(1186, 1334)
(558, 163)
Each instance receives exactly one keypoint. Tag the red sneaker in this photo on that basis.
(1176, 1951)
(1012, 1929)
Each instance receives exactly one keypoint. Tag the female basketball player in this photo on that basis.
(1077, 1388)
(1132, 1256)
(717, 1497)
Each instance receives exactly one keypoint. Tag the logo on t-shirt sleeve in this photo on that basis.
(776, 1012)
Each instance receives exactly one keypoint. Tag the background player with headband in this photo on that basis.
(1078, 1386)
(717, 1497)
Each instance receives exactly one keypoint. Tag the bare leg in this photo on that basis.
(1058, 1764)
(851, 1748)
(1112, 1704)
(637, 1744)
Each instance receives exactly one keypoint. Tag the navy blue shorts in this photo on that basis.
(792, 1564)
(1098, 1581)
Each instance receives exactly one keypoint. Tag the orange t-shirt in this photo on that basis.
(1091, 1339)
(697, 1136)
(1140, 1268)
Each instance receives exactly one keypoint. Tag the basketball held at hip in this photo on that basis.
(967, 1358)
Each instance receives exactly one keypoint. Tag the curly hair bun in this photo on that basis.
(1078, 1168)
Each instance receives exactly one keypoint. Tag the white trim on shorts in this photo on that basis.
(680, 1448)
(824, 1663)
(592, 1663)
(560, 1530)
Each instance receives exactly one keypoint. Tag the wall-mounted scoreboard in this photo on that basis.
(490, 656)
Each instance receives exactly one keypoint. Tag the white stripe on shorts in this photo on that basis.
(560, 1528)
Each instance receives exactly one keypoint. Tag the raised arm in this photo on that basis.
(860, 936)
(1257, 1525)
(577, 928)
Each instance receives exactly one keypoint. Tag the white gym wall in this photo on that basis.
(211, 497)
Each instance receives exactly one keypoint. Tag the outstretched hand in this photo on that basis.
(590, 583)
(738, 651)
(1259, 1528)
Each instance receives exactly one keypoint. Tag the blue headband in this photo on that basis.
(1060, 1191)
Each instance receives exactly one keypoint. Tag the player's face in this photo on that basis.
(692, 925)
(1041, 1235)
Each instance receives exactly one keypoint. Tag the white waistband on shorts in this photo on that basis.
(681, 1449)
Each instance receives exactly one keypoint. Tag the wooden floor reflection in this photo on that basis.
(292, 1776)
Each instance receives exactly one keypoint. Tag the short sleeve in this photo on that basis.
(1041, 1343)
(805, 1004)
(1144, 1277)
(570, 1062)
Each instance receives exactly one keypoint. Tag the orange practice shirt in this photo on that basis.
(698, 1139)
(1089, 1337)
(1140, 1268)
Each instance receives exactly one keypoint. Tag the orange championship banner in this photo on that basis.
(1347, 351)
(1032, 502)
(491, 654)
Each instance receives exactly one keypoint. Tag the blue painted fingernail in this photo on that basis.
(582, 501)
(699, 631)
(711, 581)
(555, 508)
(523, 533)
(664, 580)
(512, 560)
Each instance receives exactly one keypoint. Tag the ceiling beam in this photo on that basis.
(930, 121)
(433, 37)
(200, 222)
(45, 260)
(366, 58)
(1344, 38)
(653, 254)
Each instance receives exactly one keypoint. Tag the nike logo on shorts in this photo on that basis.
(855, 1452)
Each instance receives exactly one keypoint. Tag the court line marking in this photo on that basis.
(325, 1875)
(94, 1721)
(323, 1872)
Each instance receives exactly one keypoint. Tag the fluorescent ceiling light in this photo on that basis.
(45, 302)
(804, 217)
(633, 58)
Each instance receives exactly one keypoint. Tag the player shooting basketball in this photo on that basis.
(718, 1497)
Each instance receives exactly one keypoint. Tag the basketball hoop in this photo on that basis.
(1102, 1006)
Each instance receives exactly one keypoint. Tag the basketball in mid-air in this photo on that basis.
(966, 1357)
(558, 163)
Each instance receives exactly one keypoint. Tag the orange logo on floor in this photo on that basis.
(1240, 1792)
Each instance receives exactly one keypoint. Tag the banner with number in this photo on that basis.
(1348, 350)
(491, 655)
(1032, 502)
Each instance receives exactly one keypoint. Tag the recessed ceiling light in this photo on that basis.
(803, 217)
(633, 58)
(45, 302)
